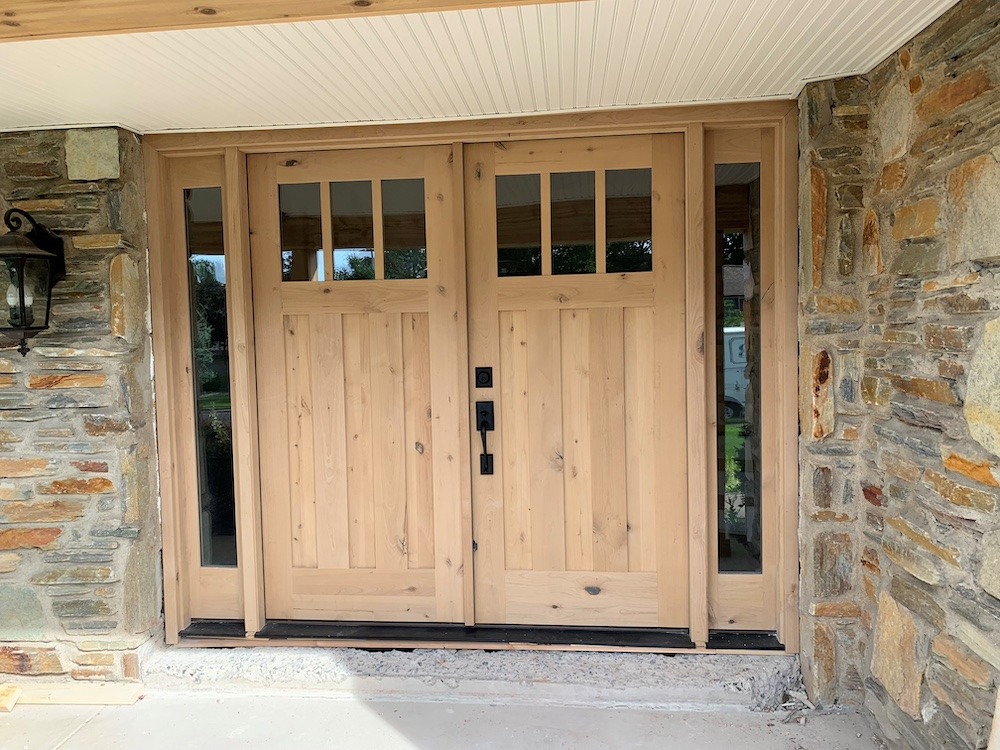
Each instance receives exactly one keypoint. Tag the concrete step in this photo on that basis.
(558, 678)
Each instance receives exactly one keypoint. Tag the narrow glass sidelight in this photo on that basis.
(574, 217)
(404, 229)
(302, 257)
(629, 211)
(519, 225)
(738, 366)
(353, 230)
(210, 357)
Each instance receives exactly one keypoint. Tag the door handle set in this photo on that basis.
(485, 423)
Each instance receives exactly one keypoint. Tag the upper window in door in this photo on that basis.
(586, 222)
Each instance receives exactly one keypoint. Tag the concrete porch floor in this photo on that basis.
(172, 720)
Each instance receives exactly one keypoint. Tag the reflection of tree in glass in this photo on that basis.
(629, 257)
(732, 249)
(573, 259)
(519, 261)
(210, 319)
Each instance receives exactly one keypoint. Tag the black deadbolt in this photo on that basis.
(484, 377)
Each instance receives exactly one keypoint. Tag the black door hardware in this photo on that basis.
(484, 424)
(484, 377)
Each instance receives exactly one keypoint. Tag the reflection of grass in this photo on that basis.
(733, 451)
(214, 402)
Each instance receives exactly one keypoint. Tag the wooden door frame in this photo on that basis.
(779, 118)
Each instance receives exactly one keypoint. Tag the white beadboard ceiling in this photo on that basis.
(596, 54)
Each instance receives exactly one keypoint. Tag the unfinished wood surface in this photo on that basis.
(747, 601)
(652, 120)
(176, 608)
(361, 445)
(574, 292)
(206, 592)
(586, 476)
(29, 19)
(243, 387)
(81, 693)
(676, 531)
(700, 432)
(786, 325)
(8, 697)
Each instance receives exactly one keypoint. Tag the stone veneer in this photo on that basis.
(900, 397)
(79, 535)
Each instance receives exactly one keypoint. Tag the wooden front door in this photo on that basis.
(576, 301)
(359, 314)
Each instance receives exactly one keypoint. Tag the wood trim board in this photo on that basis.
(54, 19)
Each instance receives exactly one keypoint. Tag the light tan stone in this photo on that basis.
(92, 154)
(894, 121)
(896, 662)
(982, 397)
(989, 567)
(9, 561)
(974, 197)
(128, 299)
(97, 241)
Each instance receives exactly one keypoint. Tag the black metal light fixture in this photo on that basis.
(31, 262)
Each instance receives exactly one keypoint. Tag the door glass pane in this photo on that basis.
(301, 233)
(519, 225)
(353, 230)
(629, 204)
(404, 229)
(210, 340)
(738, 363)
(573, 223)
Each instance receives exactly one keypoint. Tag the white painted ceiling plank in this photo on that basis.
(434, 66)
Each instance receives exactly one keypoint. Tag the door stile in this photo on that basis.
(244, 389)
(699, 428)
(484, 349)
(272, 406)
(449, 388)
(671, 402)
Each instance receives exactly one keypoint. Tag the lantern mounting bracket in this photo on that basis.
(42, 238)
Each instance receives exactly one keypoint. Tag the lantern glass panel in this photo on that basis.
(36, 291)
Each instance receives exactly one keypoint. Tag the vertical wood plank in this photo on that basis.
(601, 211)
(771, 397)
(449, 388)
(672, 402)
(418, 446)
(607, 414)
(326, 220)
(164, 277)
(330, 461)
(265, 245)
(579, 465)
(378, 229)
(358, 417)
(243, 386)
(484, 347)
(298, 374)
(545, 446)
(546, 198)
(700, 425)
(786, 307)
(640, 431)
(513, 373)
(388, 434)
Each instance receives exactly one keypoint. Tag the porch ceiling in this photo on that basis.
(596, 54)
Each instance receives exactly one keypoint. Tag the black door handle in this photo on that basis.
(485, 422)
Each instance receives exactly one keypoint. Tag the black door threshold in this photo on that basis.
(214, 629)
(753, 640)
(480, 634)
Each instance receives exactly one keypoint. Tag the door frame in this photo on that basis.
(169, 308)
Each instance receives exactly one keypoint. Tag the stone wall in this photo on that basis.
(79, 536)
(900, 401)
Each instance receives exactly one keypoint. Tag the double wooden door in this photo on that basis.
(397, 289)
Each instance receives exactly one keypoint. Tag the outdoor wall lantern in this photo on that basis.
(33, 261)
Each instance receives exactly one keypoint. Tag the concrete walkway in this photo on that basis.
(169, 720)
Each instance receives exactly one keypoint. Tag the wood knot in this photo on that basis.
(419, 447)
(205, 11)
(593, 590)
(362, 3)
(290, 163)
